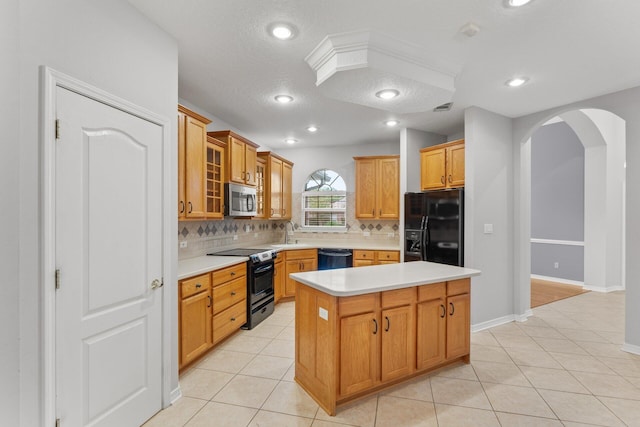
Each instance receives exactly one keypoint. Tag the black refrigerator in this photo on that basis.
(434, 226)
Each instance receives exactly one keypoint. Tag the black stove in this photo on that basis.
(260, 293)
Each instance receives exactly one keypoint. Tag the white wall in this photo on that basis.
(338, 158)
(625, 104)
(109, 45)
(489, 200)
(9, 215)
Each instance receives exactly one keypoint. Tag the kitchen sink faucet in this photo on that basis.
(286, 231)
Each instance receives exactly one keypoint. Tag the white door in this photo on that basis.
(108, 233)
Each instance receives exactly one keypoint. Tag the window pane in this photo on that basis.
(325, 180)
(325, 219)
(325, 202)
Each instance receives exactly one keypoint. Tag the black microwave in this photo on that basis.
(241, 200)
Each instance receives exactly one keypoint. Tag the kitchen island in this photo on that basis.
(359, 330)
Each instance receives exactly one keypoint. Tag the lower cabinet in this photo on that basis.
(278, 277)
(212, 307)
(297, 261)
(349, 346)
(366, 257)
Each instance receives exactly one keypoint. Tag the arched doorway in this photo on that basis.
(603, 136)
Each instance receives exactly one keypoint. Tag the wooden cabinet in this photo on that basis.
(442, 166)
(241, 157)
(212, 306)
(229, 300)
(214, 179)
(279, 277)
(378, 187)
(295, 262)
(195, 311)
(348, 347)
(277, 187)
(192, 152)
(365, 257)
(261, 171)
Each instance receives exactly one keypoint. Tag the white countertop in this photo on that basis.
(199, 265)
(364, 280)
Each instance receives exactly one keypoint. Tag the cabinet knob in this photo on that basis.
(233, 294)
(233, 273)
(198, 285)
(233, 319)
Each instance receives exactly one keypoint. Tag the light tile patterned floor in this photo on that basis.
(563, 367)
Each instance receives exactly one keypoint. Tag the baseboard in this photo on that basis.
(630, 348)
(557, 279)
(523, 317)
(603, 289)
(176, 394)
(492, 323)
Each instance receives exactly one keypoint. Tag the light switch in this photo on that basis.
(488, 229)
(323, 313)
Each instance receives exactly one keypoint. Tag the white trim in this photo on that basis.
(558, 242)
(175, 394)
(631, 348)
(50, 79)
(524, 317)
(603, 289)
(558, 279)
(493, 323)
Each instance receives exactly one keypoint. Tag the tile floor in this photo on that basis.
(563, 366)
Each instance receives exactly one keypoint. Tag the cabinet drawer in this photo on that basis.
(348, 306)
(194, 285)
(224, 275)
(457, 287)
(364, 255)
(388, 256)
(229, 321)
(398, 297)
(432, 291)
(224, 296)
(301, 254)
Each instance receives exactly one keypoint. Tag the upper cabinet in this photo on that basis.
(200, 168)
(442, 166)
(277, 186)
(241, 157)
(377, 187)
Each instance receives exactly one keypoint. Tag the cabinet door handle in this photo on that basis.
(242, 175)
(248, 176)
(450, 180)
(375, 323)
(272, 211)
(209, 296)
(453, 309)
(442, 179)
(182, 206)
(388, 324)
(444, 311)
(190, 207)
(284, 211)
(373, 212)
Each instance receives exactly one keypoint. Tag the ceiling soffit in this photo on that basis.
(352, 67)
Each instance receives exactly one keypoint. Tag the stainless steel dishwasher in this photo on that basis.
(329, 259)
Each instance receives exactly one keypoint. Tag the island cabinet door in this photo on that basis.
(458, 321)
(398, 351)
(431, 333)
(358, 352)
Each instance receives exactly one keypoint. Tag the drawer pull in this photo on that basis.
(198, 285)
(209, 296)
(233, 294)
(233, 319)
(233, 273)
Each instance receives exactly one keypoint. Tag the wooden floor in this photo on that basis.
(543, 292)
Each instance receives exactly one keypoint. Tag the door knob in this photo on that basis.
(156, 284)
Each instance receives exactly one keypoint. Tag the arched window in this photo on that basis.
(324, 201)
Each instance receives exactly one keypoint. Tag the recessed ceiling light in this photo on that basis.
(312, 129)
(517, 3)
(517, 81)
(387, 94)
(290, 141)
(284, 99)
(282, 31)
(391, 123)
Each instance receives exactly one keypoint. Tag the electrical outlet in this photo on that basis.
(556, 265)
(235, 237)
(366, 233)
(183, 244)
(255, 235)
(391, 234)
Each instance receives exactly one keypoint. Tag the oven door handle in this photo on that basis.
(263, 269)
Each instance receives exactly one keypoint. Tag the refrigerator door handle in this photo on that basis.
(425, 238)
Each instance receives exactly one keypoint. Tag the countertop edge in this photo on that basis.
(203, 264)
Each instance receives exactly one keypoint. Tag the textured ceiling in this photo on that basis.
(231, 67)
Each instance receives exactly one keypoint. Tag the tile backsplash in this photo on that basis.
(203, 237)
